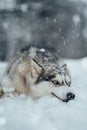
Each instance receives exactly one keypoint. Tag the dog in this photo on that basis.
(38, 72)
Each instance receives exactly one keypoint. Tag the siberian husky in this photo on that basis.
(38, 72)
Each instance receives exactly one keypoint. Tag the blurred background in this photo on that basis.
(61, 24)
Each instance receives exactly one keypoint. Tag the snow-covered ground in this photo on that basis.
(48, 113)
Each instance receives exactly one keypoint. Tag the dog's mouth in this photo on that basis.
(63, 100)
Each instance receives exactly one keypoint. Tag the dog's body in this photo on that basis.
(37, 72)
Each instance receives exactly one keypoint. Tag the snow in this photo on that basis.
(24, 7)
(83, 1)
(42, 50)
(48, 113)
(76, 19)
(7, 4)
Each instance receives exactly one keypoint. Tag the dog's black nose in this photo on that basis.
(70, 96)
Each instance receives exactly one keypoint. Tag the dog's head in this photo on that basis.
(53, 80)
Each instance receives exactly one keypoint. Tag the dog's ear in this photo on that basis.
(36, 69)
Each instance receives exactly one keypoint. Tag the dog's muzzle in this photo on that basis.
(69, 96)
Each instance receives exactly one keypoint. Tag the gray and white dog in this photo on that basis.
(38, 72)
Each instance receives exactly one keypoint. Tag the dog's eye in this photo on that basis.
(49, 77)
(55, 82)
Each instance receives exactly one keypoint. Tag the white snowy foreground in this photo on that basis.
(48, 113)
